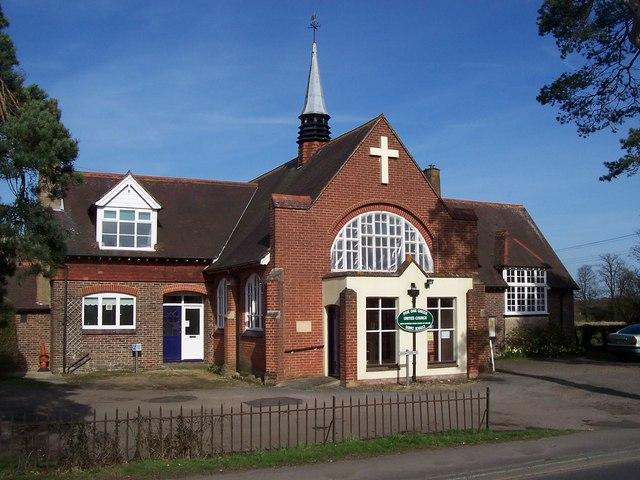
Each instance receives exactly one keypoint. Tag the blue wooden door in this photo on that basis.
(172, 333)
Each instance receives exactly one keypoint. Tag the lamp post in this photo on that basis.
(413, 292)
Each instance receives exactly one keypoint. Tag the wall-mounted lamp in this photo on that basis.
(428, 283)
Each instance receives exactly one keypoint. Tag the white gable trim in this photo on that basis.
(130, 182)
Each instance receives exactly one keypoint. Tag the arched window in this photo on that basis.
(221, 303)
(253, 303)
(378, 241)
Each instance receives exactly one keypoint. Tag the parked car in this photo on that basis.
(625, 341)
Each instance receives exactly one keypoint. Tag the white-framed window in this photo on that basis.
(109, 311)
(253, 303)
(126, 228)
(221, 303)
(381, 331)
(441, 337)
(378, 241)
(527, 291)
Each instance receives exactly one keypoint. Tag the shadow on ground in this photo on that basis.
(568, 383)
(27, 399)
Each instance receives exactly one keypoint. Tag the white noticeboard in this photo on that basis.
(446, 334)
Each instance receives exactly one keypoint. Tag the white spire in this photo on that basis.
(314, 99)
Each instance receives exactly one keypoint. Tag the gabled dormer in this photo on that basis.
(127, 217)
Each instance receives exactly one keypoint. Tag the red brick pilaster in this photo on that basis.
(230, 340)
(477, 330)
(348, 336)
(273, 325)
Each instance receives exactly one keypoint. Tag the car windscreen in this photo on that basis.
(631, 330)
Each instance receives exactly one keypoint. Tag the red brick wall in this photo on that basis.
(112, 349)
(301, 239)
(31, 330)
(348, 336)
(477, 331)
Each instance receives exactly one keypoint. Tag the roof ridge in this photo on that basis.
(499, 204)
(158, 178)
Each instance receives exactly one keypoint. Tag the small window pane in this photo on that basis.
(109, 240)
(372, 302)
(388, 320)
(91, 311)
(143, 229)
(389, 303)
(372, 319)
(127, 215)
(144, 242)
(126, 311)
(446, 319)
(109, 227)
(127, 240)
(109, 214)
(446, 302)
(192, 299)
(446, 346)
(108, 311)
(432, 302)
(144, 215)
(127, 228)
(389, 347)
(172, 299)
(373, 343)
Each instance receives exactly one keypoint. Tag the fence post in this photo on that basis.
(487, 416)
(333, 419)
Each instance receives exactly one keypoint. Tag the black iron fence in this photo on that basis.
(262, 425)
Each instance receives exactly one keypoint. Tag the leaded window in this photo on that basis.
(378, 241)
(221, 303)
(253, 303)
(527, 291)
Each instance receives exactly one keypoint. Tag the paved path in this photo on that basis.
(610, 453)
(577, 394)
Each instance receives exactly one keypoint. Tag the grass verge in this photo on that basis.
(286, 457)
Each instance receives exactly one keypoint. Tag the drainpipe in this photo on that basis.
(65, 318)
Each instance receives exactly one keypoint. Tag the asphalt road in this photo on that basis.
(610, 453)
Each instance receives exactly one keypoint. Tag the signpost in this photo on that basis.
(406, 353)
(136, 351)
(413, 320)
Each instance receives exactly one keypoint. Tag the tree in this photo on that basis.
(604, 91)
(627, 306)
(611, 268)
(635, 250)
(588, 283)
(36, 161)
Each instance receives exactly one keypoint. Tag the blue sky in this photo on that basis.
(213, 89)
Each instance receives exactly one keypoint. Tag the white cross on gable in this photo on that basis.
(385, 154)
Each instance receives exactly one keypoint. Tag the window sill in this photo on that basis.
(526, 314)
(108, 331)
(253, 333)
(383, 368)
(431, 365)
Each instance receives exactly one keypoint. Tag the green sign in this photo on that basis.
(414, 320)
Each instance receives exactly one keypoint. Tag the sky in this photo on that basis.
(213, 90)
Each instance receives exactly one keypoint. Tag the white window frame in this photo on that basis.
(379, 309)
(439, 308)
(526, 293)
(100, 297)
(253, 303)
(153, 221)
(360, 243)
(221, 303)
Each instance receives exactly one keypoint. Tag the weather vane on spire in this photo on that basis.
(314, 25)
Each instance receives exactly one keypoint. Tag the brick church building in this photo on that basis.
(299, 272)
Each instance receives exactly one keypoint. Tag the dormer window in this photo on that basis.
(126, 228)
(127, 218)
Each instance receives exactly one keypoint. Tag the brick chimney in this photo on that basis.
(433, 176)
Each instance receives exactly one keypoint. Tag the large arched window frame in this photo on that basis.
(221, 303)
(253, 303)
(379, 242)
